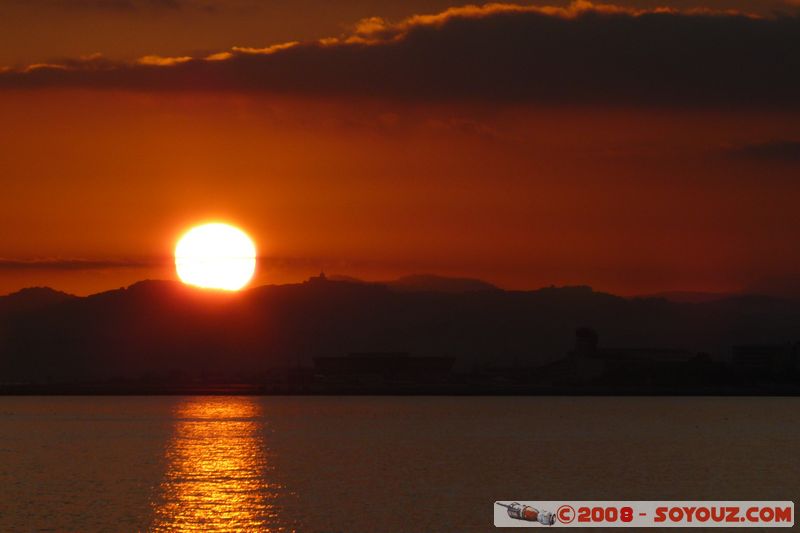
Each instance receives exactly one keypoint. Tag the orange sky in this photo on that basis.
(99, 182)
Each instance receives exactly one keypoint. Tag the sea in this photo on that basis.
(375, 464)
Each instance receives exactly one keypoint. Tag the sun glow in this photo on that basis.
(215, 256)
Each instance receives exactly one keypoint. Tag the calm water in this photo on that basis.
(375, 464)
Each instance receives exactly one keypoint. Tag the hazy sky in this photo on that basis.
(632, 149)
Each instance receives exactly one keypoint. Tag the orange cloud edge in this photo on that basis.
(377, 31)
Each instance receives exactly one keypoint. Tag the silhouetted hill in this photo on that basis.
(350, 279)
(432, 283)
(689, 296)
(32, 299)
(425, 283)
(160, 328)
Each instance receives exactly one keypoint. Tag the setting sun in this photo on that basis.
(215, 256)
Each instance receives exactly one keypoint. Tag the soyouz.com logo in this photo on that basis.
(517, 513)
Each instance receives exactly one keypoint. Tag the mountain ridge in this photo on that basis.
(158, 327)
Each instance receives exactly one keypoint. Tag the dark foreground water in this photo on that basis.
(375, 464)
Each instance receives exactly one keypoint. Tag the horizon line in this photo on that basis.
(343, 278)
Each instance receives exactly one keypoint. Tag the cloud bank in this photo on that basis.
(778, 151)
(78, 264)
(585, 54)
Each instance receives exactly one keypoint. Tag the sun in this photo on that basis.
(215, 256)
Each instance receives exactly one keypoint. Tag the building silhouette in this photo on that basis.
(588, 362)
(381, 368)
(762, 360)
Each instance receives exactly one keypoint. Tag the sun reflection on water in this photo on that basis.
(218, 469)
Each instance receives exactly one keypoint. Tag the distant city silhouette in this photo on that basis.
(421, 334)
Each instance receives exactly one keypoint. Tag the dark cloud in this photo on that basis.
(778, 151)
(499, 53)
(69, 264)
(78, 264)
